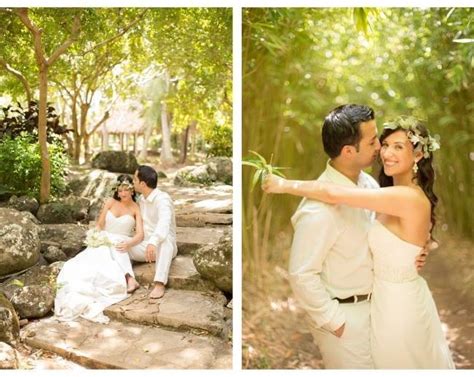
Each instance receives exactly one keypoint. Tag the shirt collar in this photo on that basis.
(152, 196)
(337, 177)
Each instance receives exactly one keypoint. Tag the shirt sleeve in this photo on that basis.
(165, 217)
(315, 234)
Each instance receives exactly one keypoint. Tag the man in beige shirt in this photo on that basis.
(330, 263)
(159, 227)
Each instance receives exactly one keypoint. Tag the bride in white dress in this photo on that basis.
(102, 276)
(406, 330)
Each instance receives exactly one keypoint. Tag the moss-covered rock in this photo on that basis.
(33, 301)
(24, 203)
(19, 241)
(56, 213)
(9, 322)
(70, 237)
(214, 263)
(116, 161)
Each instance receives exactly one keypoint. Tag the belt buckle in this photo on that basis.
(356, 299)
(369, 296)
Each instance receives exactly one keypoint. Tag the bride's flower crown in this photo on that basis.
(425, 143)
(123, 184)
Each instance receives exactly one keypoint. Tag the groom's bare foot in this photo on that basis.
(132, 285)
(158, 291)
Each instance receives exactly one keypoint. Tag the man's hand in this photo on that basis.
(339, 331)
(150, 253)
(420, 260)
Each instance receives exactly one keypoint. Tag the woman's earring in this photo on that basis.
(415, 168)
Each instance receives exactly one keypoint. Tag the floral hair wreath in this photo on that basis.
(425, 143)
(124, 184)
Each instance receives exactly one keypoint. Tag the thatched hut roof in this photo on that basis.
(125, 117)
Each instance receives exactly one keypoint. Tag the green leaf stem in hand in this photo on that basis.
(262, 168)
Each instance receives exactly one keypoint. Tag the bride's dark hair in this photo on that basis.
(124, 179)
(425, 175)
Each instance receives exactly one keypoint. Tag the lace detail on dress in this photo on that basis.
(402, 274)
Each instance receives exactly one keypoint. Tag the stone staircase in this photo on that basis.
(188, 328)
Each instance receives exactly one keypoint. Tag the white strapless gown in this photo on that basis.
(406, 330)
(95, 278)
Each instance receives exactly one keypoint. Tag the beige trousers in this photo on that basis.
(352, 349)
(165, 253)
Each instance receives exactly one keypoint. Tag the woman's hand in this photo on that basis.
(273, 184)
(123, 247)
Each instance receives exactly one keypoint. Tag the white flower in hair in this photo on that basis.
(426, 144)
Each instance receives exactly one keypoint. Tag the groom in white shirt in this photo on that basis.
(330, 263)
(159, 226)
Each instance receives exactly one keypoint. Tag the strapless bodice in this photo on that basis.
(394, 258)
(122, 225)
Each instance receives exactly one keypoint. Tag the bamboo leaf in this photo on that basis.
(256, 178)
(259, 156)
(279, 173)
(250, 163)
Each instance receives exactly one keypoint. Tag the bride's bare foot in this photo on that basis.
(158, 291)
(132, 285)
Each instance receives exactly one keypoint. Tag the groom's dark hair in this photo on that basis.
(148, 175)
(342, 127)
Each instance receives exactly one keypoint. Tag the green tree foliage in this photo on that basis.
(298, 64)
(20, 170)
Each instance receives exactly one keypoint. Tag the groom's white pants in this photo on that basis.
(165, 253)
(352, 349)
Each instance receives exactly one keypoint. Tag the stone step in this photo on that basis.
(177, 309)
(202, 219)
(182, 275)
(127, 346)
(189, 239)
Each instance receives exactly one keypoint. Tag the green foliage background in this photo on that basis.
(20, 168)
(298, 64)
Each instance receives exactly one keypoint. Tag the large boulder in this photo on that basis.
(214, 262)
(69, 237)
(9, 322)
(217, 169)
(19, 241)
(37, 275)
(54, 254)
(8, 359)
(24, 203)
(116, 161)
(80, 207)
(56, 213)
(193, 176)
(33, 301)
(221, 168)
(93, 184)
(67, 210)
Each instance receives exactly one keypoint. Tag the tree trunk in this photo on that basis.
(146, 138)
(121, 141)
(166, 157)
(76, 152)
(105, 138)
(184, 145)
(85, 136)
(135, 136)
(45, 186)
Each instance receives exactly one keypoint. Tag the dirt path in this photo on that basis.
(275, 334)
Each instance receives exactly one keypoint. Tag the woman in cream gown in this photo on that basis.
(102, 276)
(406, 330)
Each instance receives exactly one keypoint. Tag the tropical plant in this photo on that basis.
(262, 168)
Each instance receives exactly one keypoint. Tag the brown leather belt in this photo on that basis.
(354, 299)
